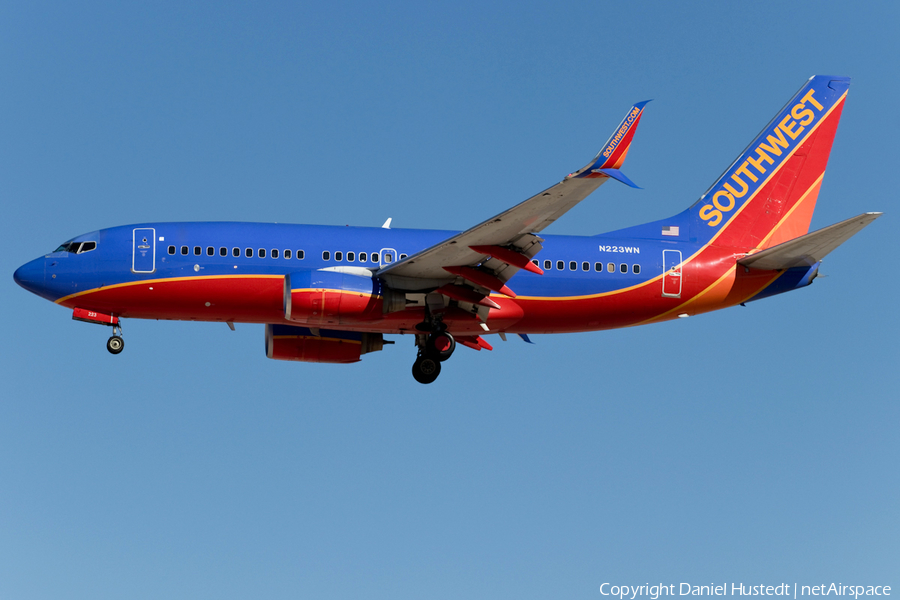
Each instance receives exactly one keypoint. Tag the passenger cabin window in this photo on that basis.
(573, 265)
(339, 256)
(223, 251)
(184, 250)
(636, 269)
(547, 265)
(274, 253)
(171, 249)
(301, 254)
(374, 257)
(585, 266)
(287, 253)
(351, 256)
(248, 252)
(261, 253)
(362, 257)
(210, 251)
(560, 265)
(197, 250)
(236, 252)
(623, 268)
(388, 258)
(611, 267)
(326, 255)
(598, 267)
(402, 256)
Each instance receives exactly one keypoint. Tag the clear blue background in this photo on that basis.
(754, 445)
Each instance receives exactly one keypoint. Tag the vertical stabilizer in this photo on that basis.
(767, 196)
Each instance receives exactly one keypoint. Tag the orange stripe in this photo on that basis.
(788, 236)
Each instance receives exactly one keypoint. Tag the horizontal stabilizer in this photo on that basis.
(808, 249)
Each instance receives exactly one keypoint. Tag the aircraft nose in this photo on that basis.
(31, 275)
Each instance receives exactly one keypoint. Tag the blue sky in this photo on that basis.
(756, 444)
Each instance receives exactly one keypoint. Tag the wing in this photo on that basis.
(467, 266)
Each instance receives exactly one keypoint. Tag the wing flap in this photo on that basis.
(808, 249)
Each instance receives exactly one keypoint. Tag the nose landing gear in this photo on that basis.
(116, 343)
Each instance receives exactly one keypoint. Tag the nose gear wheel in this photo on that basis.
(115, 344)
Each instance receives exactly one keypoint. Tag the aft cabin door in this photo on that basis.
(672, 278)
(143, 251)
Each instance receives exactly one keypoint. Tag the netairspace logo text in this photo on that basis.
(654, 592)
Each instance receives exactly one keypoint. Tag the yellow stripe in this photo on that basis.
(330, 290)
(164, 280)
(589, 296)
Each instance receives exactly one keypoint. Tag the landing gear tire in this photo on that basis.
(426, 369)
(115, 344)
(441, 345)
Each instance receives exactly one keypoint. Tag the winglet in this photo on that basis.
(611, 157)
(619, 176)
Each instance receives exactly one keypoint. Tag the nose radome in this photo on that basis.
(30, 275)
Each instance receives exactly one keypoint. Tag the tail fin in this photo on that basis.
(767, 196)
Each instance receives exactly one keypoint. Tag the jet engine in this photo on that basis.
(330, 297)
(286, 342)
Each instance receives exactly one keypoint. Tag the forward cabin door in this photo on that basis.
(143, 251)
(388, 256)
(671, 274)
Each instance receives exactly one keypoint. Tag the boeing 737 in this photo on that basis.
(331, 294)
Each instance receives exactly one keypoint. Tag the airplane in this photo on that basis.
(330, 294)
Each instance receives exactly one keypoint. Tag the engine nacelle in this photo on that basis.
(330, 298)
(286, 342)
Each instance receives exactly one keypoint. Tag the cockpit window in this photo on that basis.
(69, 247)
(77, 247)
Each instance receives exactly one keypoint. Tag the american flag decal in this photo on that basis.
(670, 230)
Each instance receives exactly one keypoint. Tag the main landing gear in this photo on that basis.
(434, 348)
